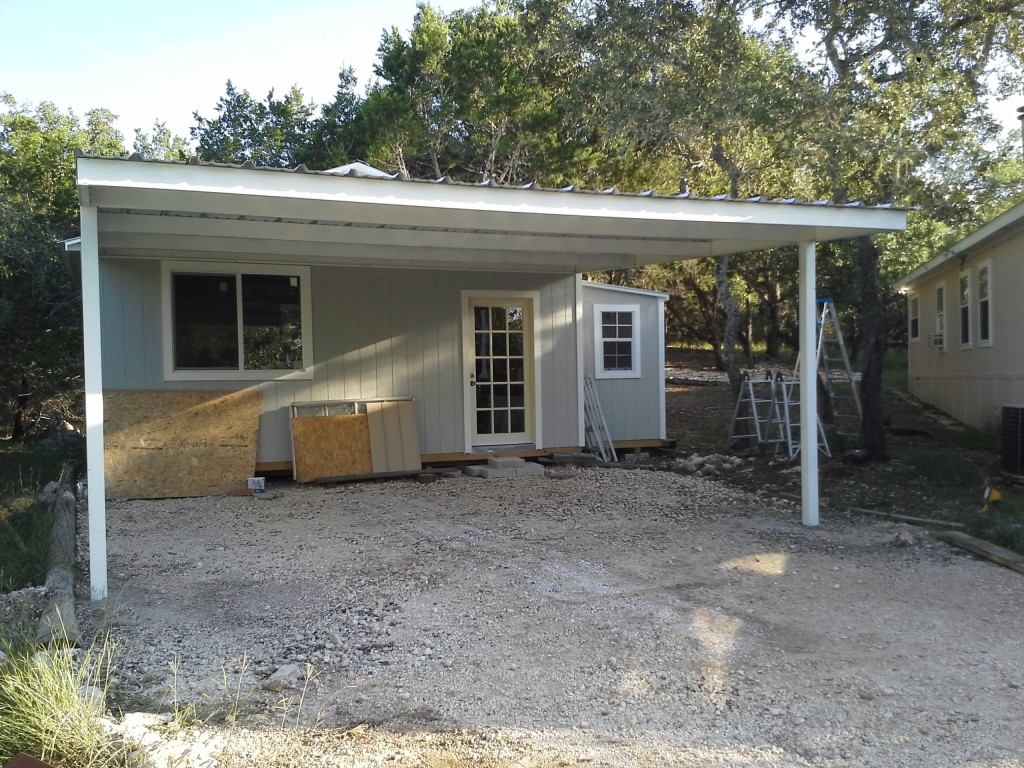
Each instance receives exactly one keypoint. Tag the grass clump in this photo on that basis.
(49, 703)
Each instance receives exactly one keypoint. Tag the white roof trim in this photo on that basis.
(993, 232)
(626, 289)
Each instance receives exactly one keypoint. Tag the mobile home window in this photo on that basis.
(965, 310)
(235, 323)
(617, 339)
(984, 307)
(939, 339)
(914, 317)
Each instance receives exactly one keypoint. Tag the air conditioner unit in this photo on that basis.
(1012, 440)
(938, 340)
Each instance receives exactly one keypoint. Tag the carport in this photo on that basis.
(190, 211)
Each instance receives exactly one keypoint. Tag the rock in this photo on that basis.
(903, 539)
(286, 676)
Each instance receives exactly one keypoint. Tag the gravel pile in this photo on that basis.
(610, 616)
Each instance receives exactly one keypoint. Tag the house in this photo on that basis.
(964, 327)
(295, 286)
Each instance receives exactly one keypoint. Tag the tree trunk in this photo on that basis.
(872, 428)
(730, 337)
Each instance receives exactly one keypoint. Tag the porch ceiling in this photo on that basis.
(242, 213)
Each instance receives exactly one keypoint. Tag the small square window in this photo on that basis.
(616, 334)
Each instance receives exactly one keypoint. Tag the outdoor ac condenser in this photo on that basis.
(1012, 440)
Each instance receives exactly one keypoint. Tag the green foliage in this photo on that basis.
(48, 706)
(161, 144)
(25, 521)
(40, 319)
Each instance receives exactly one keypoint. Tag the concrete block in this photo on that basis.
(474, 470)
(493, 472)
(506, 462)
(528, 469)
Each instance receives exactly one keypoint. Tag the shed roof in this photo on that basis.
(214, 211)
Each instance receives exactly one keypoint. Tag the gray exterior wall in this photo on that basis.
(376, 333)
(633, 408)
(972, 382)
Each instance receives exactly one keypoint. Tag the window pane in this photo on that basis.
(205, 321)
(483, 370)
(518, 420)
(983, 321)
(498, 318)
(501, 422)
(516, 370)
(501, 370)
(271, 322)
(965, 328)
(501, 395)
(483, 345)
(500, 344)
(517, 395)
(483, 396)
(483, 422)
(480, 316)
(515, 318)
(515, 344)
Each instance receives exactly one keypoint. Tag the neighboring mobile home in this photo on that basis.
(965, 324)
(291, 286)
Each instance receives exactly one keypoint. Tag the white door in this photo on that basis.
(501, 371)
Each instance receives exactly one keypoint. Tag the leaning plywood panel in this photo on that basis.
(171, 443)
(394, 435)
(330, 446)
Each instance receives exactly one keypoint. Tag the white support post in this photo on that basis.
(808, 387)
(94, 404)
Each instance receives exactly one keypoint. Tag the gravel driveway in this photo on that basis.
(600, 617)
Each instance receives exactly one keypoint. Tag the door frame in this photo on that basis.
(468, 353)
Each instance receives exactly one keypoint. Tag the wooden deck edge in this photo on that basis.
(993, 552)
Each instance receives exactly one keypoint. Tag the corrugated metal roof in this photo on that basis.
(364, 171)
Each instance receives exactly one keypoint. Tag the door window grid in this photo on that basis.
(500, 369)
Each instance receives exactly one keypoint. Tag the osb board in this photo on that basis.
(394, 435)
(330, 446)
(162, 444)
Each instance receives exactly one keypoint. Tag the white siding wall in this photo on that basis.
(377, 333)
(972, 383)
(633, 408)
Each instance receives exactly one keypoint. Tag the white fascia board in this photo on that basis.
(826, 221)
(626, 289)
(1000, 228)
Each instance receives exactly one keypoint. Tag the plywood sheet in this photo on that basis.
(161, 444)
(330, 446)
(394, 435)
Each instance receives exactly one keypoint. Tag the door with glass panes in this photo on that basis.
(500, 391)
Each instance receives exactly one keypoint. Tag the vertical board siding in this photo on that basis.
(376, 333)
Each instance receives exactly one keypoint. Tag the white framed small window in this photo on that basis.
(984, 306)
(939, 337)
(225, 321)
(617, 341)
(965, 309)
(914, 317)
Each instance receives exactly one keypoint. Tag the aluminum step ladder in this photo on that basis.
(753, 413)
(833, 366)
(594, 426)
(784, 428)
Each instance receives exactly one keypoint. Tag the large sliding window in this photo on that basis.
(235, 322)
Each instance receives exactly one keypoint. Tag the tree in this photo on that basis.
(40, 315)
(161, 144)
(274, 132)
(903, 94)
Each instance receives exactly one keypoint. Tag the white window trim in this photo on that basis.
(985, 265)
(913, 299)
(600, 372)
(168, 268)
(961, 304)
(941, 329)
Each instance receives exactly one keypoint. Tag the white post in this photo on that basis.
(808, 387)
(94, 404)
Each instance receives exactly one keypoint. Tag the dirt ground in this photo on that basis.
(589, 617)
